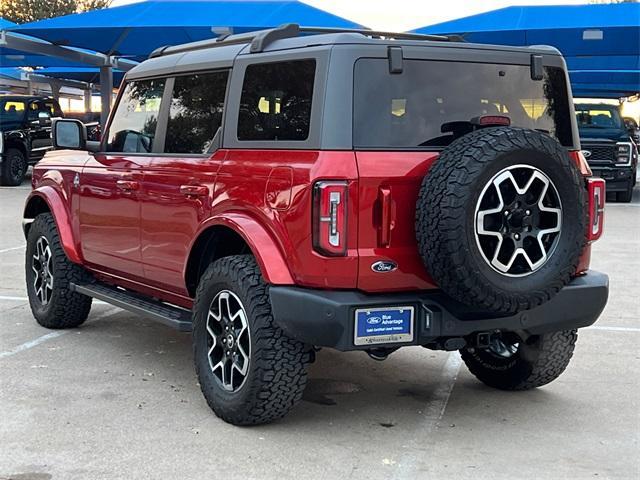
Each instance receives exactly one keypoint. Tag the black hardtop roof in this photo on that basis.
(294, 37)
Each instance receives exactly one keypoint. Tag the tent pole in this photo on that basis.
(106, 93)
(87, 100)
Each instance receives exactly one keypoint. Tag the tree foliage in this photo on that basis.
(23, 11)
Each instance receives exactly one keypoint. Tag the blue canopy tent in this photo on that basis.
(4, 24)
(79, 74)
(135, 30)
(601, 43)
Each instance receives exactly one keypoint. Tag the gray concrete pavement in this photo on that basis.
(118, 399)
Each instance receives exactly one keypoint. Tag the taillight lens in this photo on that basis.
(330, 218)
(597, 192)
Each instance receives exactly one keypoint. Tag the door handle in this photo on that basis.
(194, 190)
(127, 185)
(387, 220)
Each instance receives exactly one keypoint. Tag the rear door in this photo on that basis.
(111, 182)
(404, 119)
(179, 182)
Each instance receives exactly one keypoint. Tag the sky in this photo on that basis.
(403, 15)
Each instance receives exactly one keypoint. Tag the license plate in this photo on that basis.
(383, 325)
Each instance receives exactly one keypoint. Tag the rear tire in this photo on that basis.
(536, 362)
(49, 273)
(249, 371)
(14, 168)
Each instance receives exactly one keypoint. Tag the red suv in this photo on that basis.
(290, 189)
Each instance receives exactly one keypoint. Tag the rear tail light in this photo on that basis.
(596, 189)
(485, 120)
(330, 218)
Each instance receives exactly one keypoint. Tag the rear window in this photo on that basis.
(276, 101)
(431, 103)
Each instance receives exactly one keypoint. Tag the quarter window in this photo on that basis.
(196, 112)
(134, 123)
(276, 101)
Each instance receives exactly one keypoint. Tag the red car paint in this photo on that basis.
(133, 219)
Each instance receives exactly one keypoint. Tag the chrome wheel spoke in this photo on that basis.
(228, 340)
(518, 220)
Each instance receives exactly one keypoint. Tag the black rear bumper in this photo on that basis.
(327, 317)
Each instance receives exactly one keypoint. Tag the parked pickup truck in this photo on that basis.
(25, 134)
(290, 189)
(608, 146)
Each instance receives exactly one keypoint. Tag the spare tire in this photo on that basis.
(500, 219)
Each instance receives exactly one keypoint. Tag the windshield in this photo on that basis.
(431, 103)
(598, 116)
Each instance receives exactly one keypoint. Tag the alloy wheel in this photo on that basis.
(518, 220)
(42, 266)
(228, 340)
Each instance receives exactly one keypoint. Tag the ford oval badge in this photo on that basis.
(374, 320)
(384, 266)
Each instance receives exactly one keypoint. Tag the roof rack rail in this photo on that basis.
(260, 39)
(379, 33)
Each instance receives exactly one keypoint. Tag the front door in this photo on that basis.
(111, 183)
(179, 184)
(39, 124)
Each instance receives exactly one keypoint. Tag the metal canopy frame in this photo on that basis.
(106, 63)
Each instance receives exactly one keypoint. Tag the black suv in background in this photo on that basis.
(25, 133)
(607, 145)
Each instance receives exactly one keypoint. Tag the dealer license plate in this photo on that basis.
(383, 325)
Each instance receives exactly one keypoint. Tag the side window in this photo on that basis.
(53, 109)
(276, 101)
(196, 111)
(12, 111)
(32, 112)
(134, 123)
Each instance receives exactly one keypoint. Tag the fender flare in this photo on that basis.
(267, 253)
(57, 207)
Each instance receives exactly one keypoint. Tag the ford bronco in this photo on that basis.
(290, 189)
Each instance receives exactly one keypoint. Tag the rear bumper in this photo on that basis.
(326, 318)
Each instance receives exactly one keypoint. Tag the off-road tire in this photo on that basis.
(445, 216)
(14, 168)
(626, 196)
(537, 362)
(277, 369)
(66, 308)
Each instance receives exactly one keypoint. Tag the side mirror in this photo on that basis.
(69, 134)
(44, 119)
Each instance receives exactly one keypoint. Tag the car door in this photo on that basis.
(110, 189)
(179, 183)
(39, 126)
